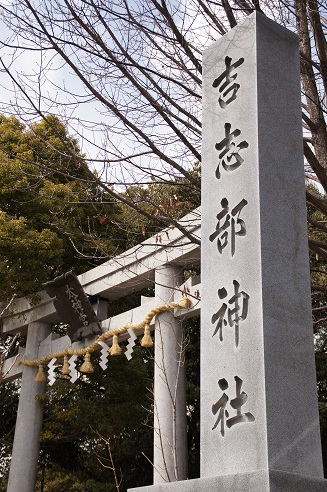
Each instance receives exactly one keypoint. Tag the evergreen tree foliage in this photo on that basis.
(49, 223)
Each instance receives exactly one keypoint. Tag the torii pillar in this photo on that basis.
(170, 435)
(29, 420)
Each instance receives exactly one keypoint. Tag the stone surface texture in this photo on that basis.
(259, 481)
(263, 349)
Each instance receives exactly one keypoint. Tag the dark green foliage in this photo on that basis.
(8, 409)
(192, 355)
(49, 221)
(318, 267)
(111, 405)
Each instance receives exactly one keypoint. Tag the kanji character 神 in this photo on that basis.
(238, 311)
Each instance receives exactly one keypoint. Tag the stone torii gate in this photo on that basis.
(159, 261)
(259, 413)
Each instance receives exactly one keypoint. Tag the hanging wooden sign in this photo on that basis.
(71, 302)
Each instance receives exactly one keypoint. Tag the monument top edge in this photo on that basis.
(253, 21)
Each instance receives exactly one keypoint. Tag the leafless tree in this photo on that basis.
(126, 77)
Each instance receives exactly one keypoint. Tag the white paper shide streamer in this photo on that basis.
(73, 370)
(131, 343)
(104, 355)
(51, 371)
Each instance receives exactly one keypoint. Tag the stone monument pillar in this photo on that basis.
(259, 401)
(259, 411)
(29, 420)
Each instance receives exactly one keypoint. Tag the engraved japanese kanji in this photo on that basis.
(233, 315)
(226, 83)
(226, 228)
(229, 157)
(236, 403)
